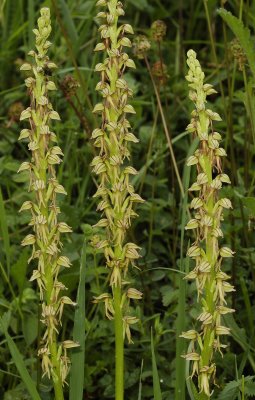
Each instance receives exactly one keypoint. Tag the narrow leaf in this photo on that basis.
(78, 354)
(4, 232)
(140, 383)
(18, 360)
(156, 383)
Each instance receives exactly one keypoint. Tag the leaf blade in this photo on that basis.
(17, 358)
(78, 355)
(156, 383)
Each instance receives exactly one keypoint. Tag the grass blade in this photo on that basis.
(78, 354)
(248, 306)
(239, 335)
(31, 22)
(156, 384)
(5, 233)
(17, 358)
(140, 383)
(69, 24)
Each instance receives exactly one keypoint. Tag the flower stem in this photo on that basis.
(119, 345)
(203, 396)
(56, 375)
(57, 382)
(46, 244)
(115, 190)
(211, 281)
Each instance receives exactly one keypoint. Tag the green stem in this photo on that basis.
(119, 345)
(211, 255)
(206, 353)
(49, 284)
(118, 318)
(203, 396)
(241, 10)
(57, 383)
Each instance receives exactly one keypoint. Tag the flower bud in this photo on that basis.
(191, 356)
(158, 30)
(70, 344)
(134, 294)
(141, 46)
(192, 224)
(191, 335)
(28, 240)
(222, 330)
(226, 252)
(194, 251)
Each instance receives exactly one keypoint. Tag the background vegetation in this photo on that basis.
(226, 52)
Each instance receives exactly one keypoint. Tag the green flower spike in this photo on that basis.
(116, 194)
(45, 240)
(211, 282)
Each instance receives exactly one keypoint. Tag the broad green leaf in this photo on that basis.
(233, 388)
(230, 391)
(249, 389)
(30, 328)
(249, 202)
(239, 335)
(19, 269)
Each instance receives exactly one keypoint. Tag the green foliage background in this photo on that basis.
(169, 304)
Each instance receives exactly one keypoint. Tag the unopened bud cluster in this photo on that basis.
(141, 46)
(238, 53)
(14, 111)
(69, 86)
(212, 283)
(116, 194)
(45, 239)
(158, 30)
